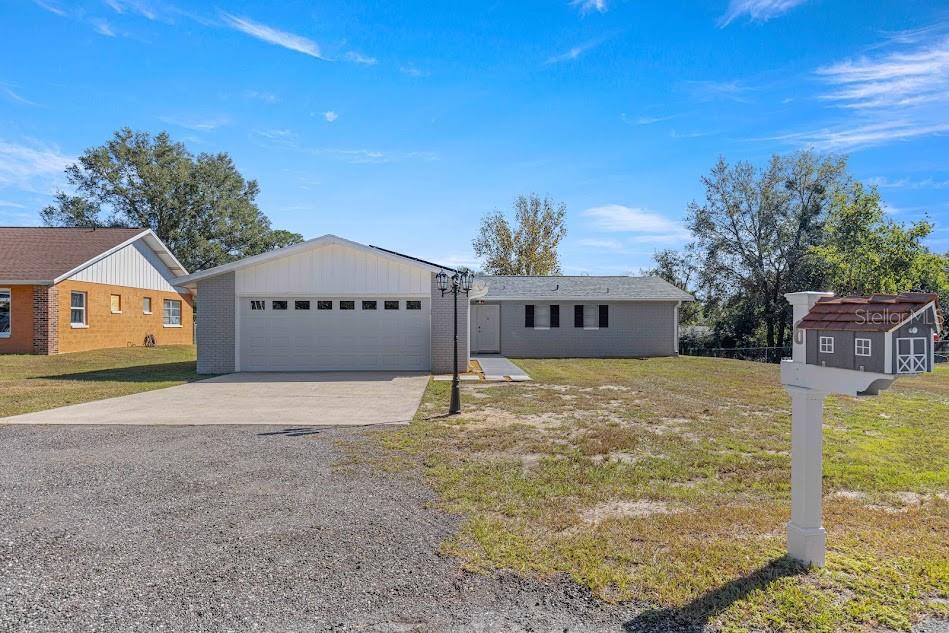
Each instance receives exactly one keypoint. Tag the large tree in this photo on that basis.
(754, 232)
(529, 246)
(200, 206)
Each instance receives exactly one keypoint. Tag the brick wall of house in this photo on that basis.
(45, 312)
(442, 331)
(216, 325)
(20, 340)
(127, 329)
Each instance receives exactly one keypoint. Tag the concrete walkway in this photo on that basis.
(499, 368)
(291, 399)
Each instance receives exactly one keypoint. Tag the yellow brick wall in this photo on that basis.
(127, 329)
(20, 340)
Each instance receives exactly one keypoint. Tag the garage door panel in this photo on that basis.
(333, 340)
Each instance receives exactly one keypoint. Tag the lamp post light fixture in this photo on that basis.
(459, 282)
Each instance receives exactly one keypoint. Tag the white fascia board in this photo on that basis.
(26, 282)
(316, 242)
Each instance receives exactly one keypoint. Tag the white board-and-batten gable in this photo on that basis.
(135, 265)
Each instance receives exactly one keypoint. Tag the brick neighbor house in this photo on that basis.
(77, 289)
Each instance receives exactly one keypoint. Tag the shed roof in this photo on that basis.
(874, 313)
(618, 288)
(43, 254)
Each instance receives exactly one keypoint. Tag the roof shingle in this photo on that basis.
(43, 254)
(875, 313)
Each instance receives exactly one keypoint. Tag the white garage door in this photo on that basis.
(330, 334)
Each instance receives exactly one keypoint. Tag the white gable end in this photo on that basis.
(334, 270)
(134, 266)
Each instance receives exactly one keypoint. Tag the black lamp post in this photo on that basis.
(457, 283)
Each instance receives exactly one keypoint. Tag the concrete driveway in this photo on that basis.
(290, 399)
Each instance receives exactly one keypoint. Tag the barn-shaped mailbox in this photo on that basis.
(885, 334)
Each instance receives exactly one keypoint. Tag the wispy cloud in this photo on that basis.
(274, 36)
(22, 166)
(907, 183)
(257, 95)
(646, 120)
(359, 58)
(648, 226)
(11, 204)
(102, 27)
(835, 139)
(757, 10)
(279, 136)
(586, 6)
(8, 92)
(572, 54)
(330, 116)
(197, 124)
(602, 244)
(412, 70)
(133, 6)
(709, 90)
(51, 7)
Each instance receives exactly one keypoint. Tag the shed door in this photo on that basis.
(319, 334)
(910, 355)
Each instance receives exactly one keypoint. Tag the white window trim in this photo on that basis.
(180, 315)
(144, 311)
(823, 340)
(85, 314)
(119, 311)
(857, 347)
(9, 293)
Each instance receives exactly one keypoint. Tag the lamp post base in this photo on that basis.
(455, 406)
(808, 545)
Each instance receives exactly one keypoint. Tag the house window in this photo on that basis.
(77, 309)
(5, 303)
(827, 345)
(326, 305)
(171, 316)
(554, 316)
(391, 305)
(529, 315)
(604, 316)
(257, 304)
(541, 317)
(278, 305)
(413, 305)
(347, 305)
(301, 305)
(862, 347)
(591, 317)
(115, 302)
(368, 305)
(147, 305)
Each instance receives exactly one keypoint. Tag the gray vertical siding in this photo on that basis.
(636, 328)
(845, 353)
(443, 334)
(215, 331)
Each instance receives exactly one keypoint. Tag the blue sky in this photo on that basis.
(402, 125)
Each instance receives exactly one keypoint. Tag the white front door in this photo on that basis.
(910, 355)
(487, 329)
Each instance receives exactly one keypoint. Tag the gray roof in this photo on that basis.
(617, 288)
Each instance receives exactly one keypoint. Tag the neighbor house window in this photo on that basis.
(77, 309)
(862, 347)
(589, 317)
(115, 302)
(827, 345)
(5, 302)
(368, 305)
(171, 315)
(258, 304)
(413, 305)
(301, 305)
(325, 305)
(347, 305)
(390, 305)
(541, 317)
(147, 305)
(278, 305)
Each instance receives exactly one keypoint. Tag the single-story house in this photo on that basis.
(334, 304)
(887, 334)
(78, 289)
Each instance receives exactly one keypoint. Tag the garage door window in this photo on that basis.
(347, 305)
(256, 304)
(413, 305)
(391, 305)
(301, 305)
(325, 305)
(368, 305)
(278, 305)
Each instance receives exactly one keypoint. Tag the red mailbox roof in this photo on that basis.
(876, 313)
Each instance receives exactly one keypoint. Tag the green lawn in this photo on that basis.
(667, 481)
(33, 383)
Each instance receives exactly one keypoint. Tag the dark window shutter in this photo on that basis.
(529, 316)
(577, 316)
(554, 316)
(604, 315)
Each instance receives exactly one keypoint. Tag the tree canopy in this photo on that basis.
(200, 206)
(529, 247)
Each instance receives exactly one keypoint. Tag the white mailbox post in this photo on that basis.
(808, 385)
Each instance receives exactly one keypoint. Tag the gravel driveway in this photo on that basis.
(222, 528)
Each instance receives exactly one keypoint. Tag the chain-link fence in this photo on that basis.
(756, 354)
